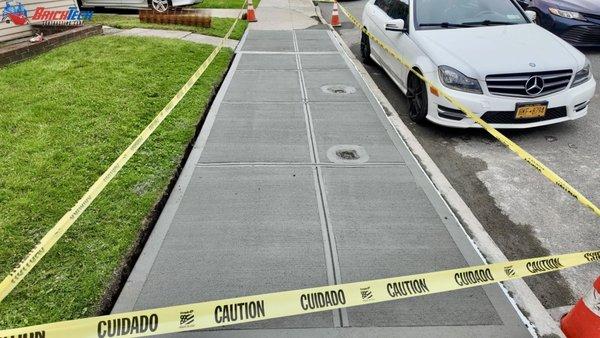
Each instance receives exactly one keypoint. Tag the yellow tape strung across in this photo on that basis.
(280, 304)
(289, 303)
(48, 241)
(547, 172)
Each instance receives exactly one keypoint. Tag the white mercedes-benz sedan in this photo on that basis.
(487, 54)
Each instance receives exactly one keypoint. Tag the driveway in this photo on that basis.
(524, 213)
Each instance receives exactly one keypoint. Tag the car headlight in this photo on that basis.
(583, 75)
(454, 79)
(567, 14)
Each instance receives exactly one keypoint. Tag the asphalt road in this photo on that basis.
(525, 214)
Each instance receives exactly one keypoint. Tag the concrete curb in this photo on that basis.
(521, 293)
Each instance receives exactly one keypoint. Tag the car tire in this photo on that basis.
(416, 93)
(160, 6)
(365, 49)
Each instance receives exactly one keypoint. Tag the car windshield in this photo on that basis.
(437, 14)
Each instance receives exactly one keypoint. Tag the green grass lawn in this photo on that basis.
(219, 26)
(66, 116)
(224, 4)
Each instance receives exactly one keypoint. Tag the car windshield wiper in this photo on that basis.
(443, 25)
(487, 23)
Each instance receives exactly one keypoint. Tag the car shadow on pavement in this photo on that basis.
(590, 50)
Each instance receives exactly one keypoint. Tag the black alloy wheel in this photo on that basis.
(365, 49)
(417, 99)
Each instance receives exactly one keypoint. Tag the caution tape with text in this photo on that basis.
(52, 236)
(547, 172)
(289, 303)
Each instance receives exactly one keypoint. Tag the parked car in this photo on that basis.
(158, 5)
(576, 21)
(488, 54)
(524, 3)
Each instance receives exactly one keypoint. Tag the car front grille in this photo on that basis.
(582, 35)
(514, 85)
(500, 117)
(592, 16)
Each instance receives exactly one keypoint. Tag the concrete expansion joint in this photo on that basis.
(340, 317)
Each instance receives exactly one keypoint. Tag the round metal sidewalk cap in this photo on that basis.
(349, 154)
(338, 89)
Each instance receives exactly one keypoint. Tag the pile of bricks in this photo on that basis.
(187, 18)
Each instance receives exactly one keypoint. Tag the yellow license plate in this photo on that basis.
(531, 111)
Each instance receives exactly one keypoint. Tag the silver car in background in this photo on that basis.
(158, 5)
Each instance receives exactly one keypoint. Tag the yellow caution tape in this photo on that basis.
(547, 172)
(52, 236)
(289, 303)
(272, 305)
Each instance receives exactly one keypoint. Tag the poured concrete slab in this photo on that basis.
(268, 62)
(158, 33)
(269, 45)
(316, 46)
(262, 35)
(282, 18)
(355, 123)
(171, 34)
(317, 82)
(258, 132)
(264, 86)
(244, 234)
(313, 34)
(315, 41)
(323, 61)
(385, 226)
(269, 41)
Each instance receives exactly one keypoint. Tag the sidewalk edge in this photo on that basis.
(518, 289)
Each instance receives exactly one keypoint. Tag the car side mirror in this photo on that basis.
(396, 25)
(531, 15)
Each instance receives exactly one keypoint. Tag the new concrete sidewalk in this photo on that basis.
(285, 15)
(298, 180)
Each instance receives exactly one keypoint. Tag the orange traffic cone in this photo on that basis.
(335, 16)
(250, 16)
(584, 318)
